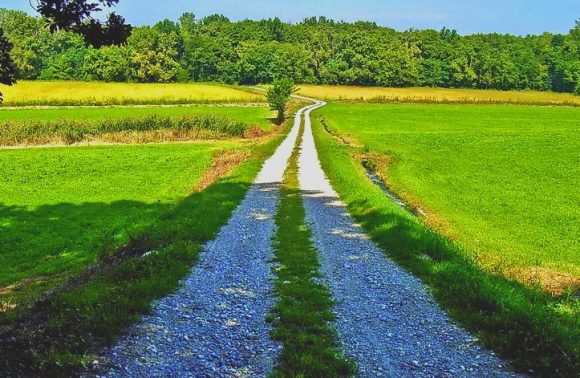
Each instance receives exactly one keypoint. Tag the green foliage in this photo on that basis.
(245, 115)
(279, 94)
(531, 328)
(317, 51)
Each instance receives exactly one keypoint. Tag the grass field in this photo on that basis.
(436, 95)
(526, 325)
(500, 180)
(96, 93)
(60, 207)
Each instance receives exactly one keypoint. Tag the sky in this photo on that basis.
(466, 16)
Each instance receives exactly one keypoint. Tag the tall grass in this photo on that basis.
(73, 131)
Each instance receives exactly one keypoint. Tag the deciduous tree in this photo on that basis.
(278, 96)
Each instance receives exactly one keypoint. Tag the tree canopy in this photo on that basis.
(76, 15)
(316, 50)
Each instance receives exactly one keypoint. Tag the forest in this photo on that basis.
(317, 50)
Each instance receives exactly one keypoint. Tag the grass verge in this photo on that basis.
(302, 314)
(525, 325)
(60, 334)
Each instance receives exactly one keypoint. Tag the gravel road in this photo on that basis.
(385, 317)
(215, 325)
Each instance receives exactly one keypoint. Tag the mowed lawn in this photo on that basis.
(96, 93)
(443, 95)
(258, 115)
(501, 180)
(61, 207)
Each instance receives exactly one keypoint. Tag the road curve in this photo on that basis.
(385, 317)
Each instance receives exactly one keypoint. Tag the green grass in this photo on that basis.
(502, 180)
(259, 115)
(59, 334)
(60, 206)
(303, 309)
(523, 324)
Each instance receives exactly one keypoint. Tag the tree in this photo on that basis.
(278, 96)
(7, 66)
(70, 14)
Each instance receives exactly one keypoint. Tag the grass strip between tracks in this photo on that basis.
(302, 314)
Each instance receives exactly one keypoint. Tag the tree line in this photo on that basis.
(316, 50)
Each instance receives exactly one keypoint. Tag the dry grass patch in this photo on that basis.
(549, 280)
(224, 162)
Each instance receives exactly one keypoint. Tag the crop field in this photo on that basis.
(499, 180)
(436, 95)
(32, 93)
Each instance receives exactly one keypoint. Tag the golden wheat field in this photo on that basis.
(97, 93)
(436, 95)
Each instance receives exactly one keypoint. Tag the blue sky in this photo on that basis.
(467, 16)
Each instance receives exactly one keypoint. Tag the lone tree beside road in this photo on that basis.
(278, 96)
(7, 66)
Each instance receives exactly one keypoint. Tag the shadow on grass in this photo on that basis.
(57, 239)
(57, 334)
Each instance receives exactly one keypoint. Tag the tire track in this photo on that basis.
(385, 317)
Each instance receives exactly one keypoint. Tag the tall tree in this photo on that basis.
(7, 66)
